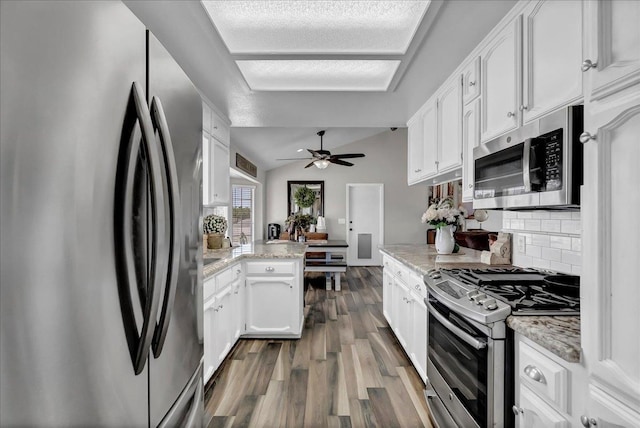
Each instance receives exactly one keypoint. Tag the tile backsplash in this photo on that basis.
(552, 239)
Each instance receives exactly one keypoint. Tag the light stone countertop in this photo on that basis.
(558, 334)
(254, 250)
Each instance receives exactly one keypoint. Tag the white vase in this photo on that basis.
(444, 240)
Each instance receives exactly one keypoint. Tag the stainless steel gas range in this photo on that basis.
(469, 357)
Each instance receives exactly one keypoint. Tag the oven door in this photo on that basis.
(460, 369)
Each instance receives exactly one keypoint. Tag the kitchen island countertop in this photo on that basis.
(421, 257)
(254, 250)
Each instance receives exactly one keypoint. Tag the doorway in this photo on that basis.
(365, 223)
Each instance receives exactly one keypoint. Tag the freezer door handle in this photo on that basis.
(194, 412)
(171, 173)
(137, 113)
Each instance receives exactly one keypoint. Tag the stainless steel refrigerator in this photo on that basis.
(100, 215)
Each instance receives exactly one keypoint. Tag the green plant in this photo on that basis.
(304, 197)
(214, 224)
(299, 220)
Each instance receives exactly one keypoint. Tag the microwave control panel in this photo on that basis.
(553, 160)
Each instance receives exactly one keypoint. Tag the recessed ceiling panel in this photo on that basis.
(318, 75)
(316, 27)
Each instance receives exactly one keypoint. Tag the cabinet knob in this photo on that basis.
(534, 373)
(472, 83)
(510, 114)
(269, 269)
(587, 65)
(523, 107)
(587, 422)
(417, 287)
(517, 410)
(470, 186)
(585, 137)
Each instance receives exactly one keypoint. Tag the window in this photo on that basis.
(242, 217)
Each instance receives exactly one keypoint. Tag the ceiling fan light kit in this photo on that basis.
(322, 158)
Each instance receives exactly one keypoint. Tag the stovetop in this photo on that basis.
(491, 294)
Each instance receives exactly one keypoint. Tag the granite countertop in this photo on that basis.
(421, 257)
(559, 334)
(255, 250)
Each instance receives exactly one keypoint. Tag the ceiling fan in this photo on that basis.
(321, 158)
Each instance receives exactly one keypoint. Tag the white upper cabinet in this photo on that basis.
(430, 138)
(471, 81)
(552, 54)
(612, 61)
(449, 126)
(500, 77)
(415, 152)
(215, 158)
(220, 187)
(470, 140)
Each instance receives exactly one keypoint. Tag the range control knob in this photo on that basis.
(478, 298)
(490, 304)
(436, 275)
(471, 294)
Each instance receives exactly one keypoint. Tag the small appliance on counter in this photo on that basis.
(273, 231)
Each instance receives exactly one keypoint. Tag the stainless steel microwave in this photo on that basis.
(539, 165)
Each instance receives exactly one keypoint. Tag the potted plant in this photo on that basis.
(444, 217)
(214, 226)
(298, 223)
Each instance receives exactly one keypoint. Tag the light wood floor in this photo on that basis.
(347, 370)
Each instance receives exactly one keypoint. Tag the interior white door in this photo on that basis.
(365, 223)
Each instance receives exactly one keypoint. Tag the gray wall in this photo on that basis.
(385, 162)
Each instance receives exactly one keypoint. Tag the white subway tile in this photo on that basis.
(540, 263)
(552, 254)
(571, 257)
(517, 224)
(561, 215)
(532, 224)
(560, 267)
(533, 251)
(540, 239)
(576, 215)
(528, 237)
(573, 227)
(506, 223)
(540, 214)
(562, 242)
(509, 214)
(552, 226)
(524, 215)
(518, 259)
(576, 244)
(576, 270)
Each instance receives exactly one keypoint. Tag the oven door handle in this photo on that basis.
(526, 165)
(472, 341)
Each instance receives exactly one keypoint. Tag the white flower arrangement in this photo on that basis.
(214, 224)
(442, 213)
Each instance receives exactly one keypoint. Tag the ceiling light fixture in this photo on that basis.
(300, 150)
(321, 163)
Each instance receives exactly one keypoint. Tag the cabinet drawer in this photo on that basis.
(543, 375)
(209, 288)
(270, 268)
(416, 284)
(227, 276)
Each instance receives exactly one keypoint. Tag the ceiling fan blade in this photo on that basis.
(314, 153)
(348, 156)
(294, 159)
(339, 162)
(310, 164)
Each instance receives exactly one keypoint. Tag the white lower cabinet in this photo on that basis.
(403, 293)
(549, 391)
(274, 298)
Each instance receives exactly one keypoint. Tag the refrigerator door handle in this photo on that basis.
(195, 405)
(137, 113)
(160, 123)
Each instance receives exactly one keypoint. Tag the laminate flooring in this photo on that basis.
(347, 369)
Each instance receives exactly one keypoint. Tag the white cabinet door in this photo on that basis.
(222, 326)
(401, 312)
(470, 140)
(449, 125)
(387, 288)
(415, 152)
(221, 183)
(272, 306)
(609, 287)
(552, 42)
(209, 354)
(207, 177)
(500, 77)
(535, 413)
(237, 310)
(430, 136)
(471, 81)
(612, 33)
(419, 333)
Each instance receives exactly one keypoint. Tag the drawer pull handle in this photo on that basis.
(535, 374)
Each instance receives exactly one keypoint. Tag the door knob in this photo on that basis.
(517, 410)
(585, 137)
(587, 422)
(587, 65)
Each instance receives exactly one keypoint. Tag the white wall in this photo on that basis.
(552, 239)
(385, 162)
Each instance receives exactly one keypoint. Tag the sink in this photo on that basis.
(208, 261)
